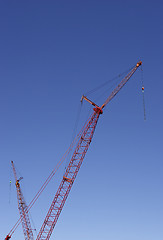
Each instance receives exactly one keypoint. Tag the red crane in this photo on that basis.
(75, 162)
(45, 183)
(73, 167)
(27, 230)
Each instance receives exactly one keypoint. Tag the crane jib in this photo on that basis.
(121, 84)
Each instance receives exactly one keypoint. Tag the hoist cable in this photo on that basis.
(143, 92)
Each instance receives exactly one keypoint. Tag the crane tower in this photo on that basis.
(27, 230)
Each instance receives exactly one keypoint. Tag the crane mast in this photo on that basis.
(27, 230)
(69, 177)
(75, 163)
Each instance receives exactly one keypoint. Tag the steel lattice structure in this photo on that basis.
(27, 229)
(69, 177)
(75, 164)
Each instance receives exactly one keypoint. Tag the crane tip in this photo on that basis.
(139, 63)
(81, 100)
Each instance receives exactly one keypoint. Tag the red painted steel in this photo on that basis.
(27, 230)
(121, 84)
(47, 181)
(75, 163)
(69, 177)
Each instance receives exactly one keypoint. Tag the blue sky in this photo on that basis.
(51, 52)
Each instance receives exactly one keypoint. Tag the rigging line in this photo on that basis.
(39, 192)
(74, 131)
(107, 90)
(49, 178)
(19, 175)
(105, 83)
(143, 92)
(77, 121)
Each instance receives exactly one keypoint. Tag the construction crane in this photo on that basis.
(27, 229)
(74, 165)
(30, 205)
(76, 161)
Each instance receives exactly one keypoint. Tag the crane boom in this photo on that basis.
(121, 84)
(69, 177)
(27, 230)
(75, 163)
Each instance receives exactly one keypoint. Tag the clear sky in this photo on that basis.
(51, 52)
